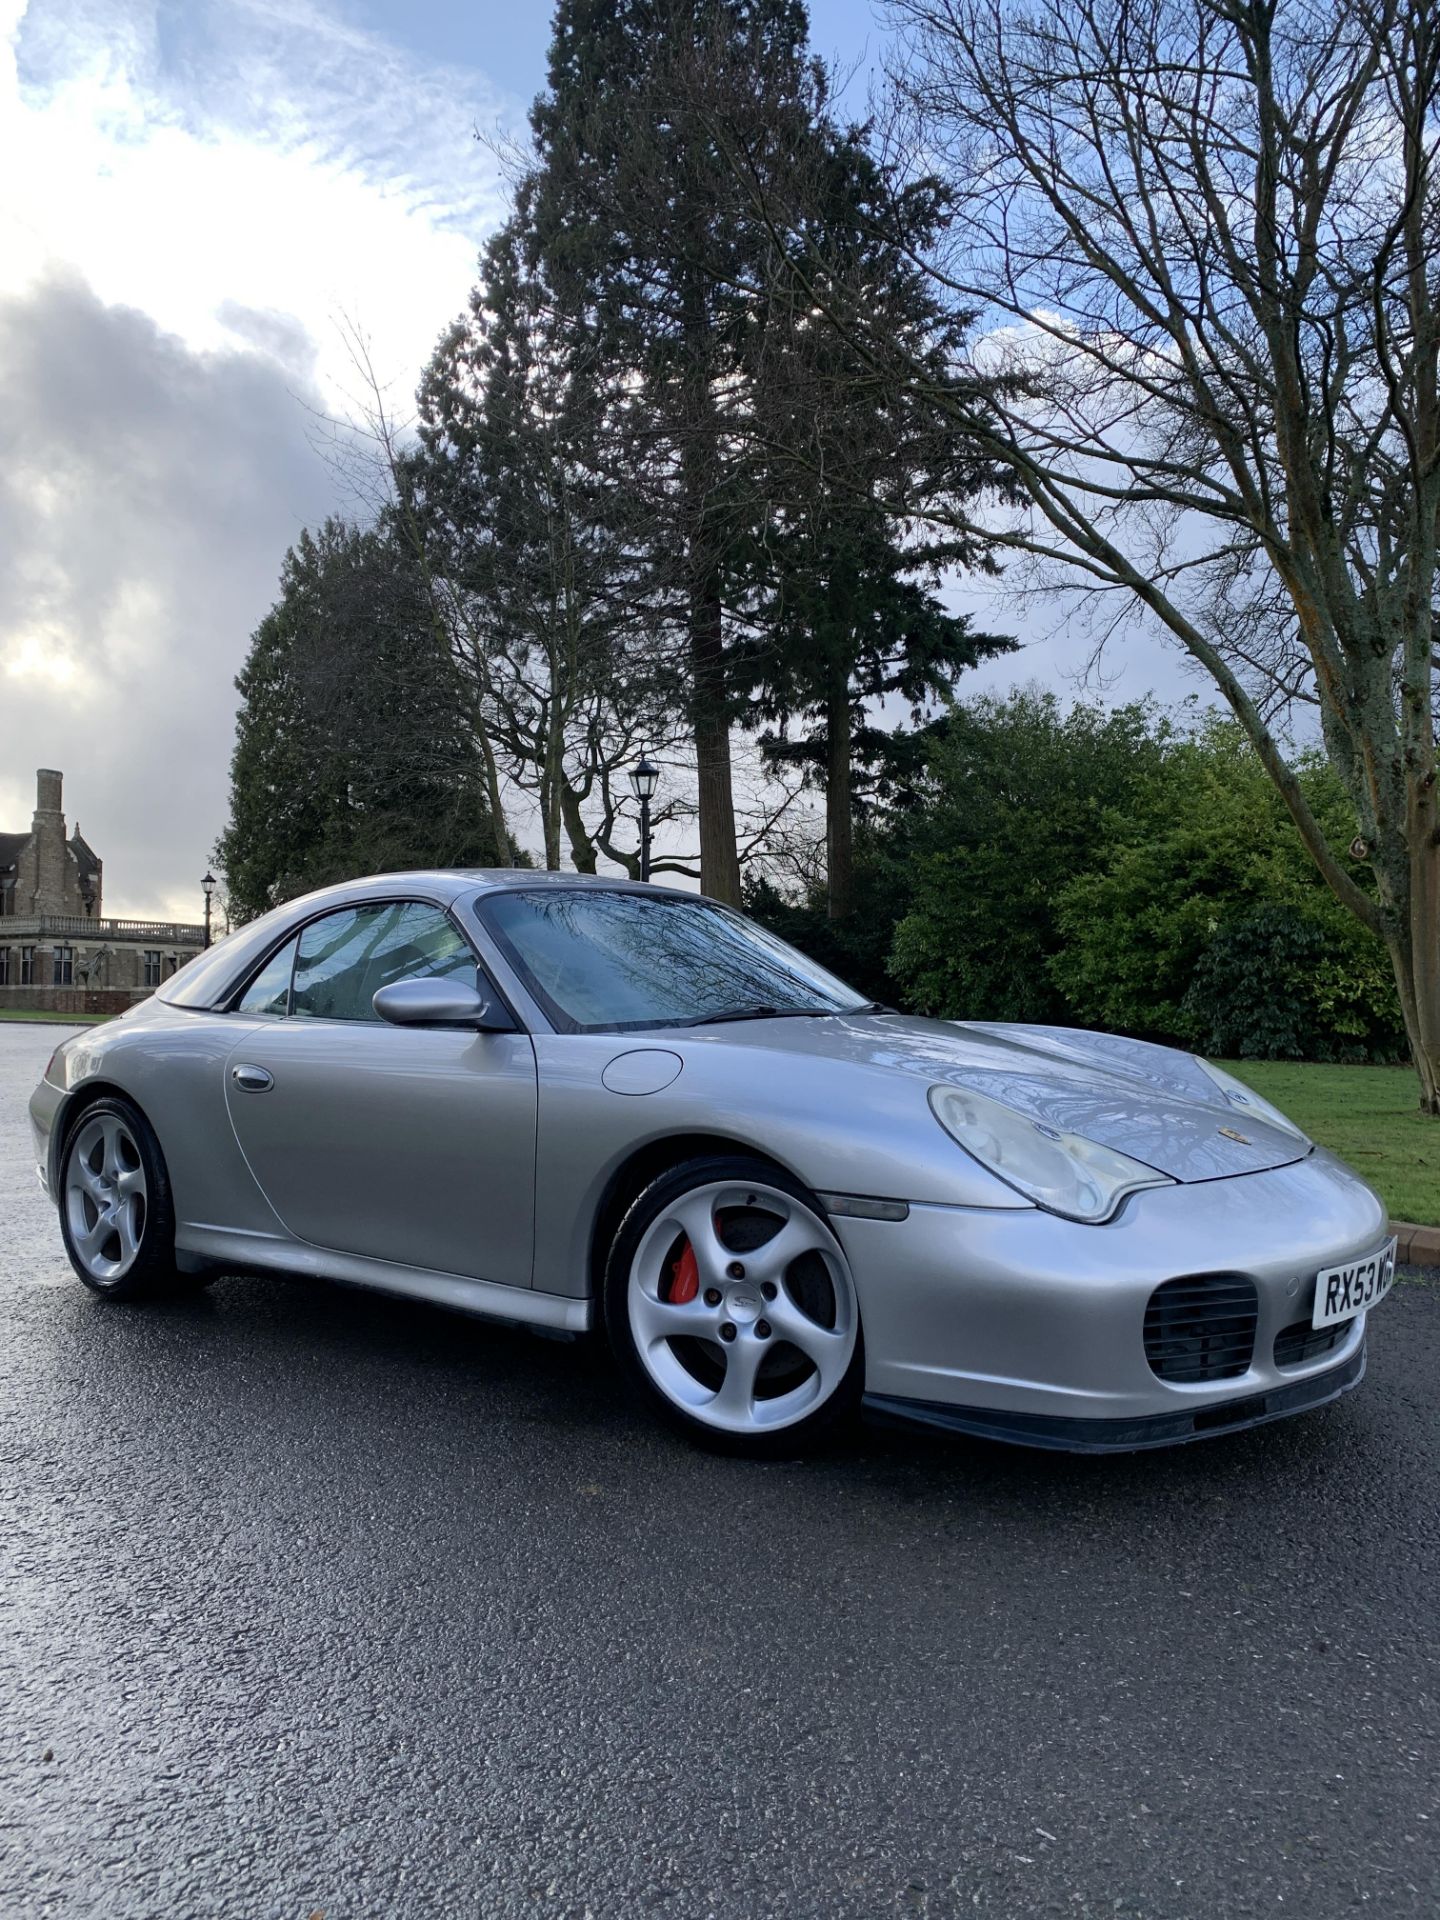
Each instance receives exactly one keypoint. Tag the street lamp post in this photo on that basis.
(644, 778)
(208, 888)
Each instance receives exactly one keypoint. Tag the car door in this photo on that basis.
(406, 1144)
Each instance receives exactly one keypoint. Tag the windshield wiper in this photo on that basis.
(723, 1014)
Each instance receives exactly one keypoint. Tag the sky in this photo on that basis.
(197, 198)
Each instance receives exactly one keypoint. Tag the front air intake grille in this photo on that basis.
(1202, 1328)
(1296, 1344)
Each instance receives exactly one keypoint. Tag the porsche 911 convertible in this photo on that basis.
(577, 1103)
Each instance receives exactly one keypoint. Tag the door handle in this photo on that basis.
(252, 1079)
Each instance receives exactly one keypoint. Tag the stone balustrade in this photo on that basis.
(69, 927)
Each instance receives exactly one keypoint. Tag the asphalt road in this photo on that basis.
(314, 1603)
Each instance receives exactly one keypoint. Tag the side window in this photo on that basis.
(269, 991)
(346, 957)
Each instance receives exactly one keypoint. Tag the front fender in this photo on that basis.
(838, 1127)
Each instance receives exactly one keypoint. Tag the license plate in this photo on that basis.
(1342, 1292)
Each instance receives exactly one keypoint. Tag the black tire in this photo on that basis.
(799, 1434)
(151, 1270)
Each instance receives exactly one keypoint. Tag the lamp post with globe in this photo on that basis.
(207, 886)
(644, 778)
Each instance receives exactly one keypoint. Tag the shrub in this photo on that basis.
(1206, 922)
(1121, 870)
(1018, 797)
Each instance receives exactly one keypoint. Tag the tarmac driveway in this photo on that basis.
(311, 1602)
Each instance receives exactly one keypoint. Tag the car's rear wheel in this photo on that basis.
(730, 1304)
(116, 1214)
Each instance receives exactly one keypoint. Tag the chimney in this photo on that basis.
(48, 844)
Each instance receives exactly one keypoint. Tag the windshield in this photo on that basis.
(597, 960)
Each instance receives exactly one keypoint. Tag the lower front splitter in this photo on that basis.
(1068, 1435)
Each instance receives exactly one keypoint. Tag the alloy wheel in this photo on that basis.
(105, 1197)
(742, 1307)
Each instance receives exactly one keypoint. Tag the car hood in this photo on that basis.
(1153, 1103)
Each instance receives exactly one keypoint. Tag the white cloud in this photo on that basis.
(147, 493)
(190, 198)
(271, 156)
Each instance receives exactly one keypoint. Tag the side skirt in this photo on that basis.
(228, 1251)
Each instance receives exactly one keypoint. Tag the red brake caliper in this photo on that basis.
(684, 1278)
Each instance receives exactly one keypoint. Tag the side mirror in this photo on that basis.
(441, 1003)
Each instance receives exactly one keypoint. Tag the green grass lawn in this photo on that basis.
(1368, 1115)
(69, 1019)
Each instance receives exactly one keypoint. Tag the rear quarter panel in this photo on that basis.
(170, 1063)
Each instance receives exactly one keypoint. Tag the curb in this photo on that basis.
(1415, 1246)
(89, 1020)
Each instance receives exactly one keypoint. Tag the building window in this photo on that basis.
(64, 969)
(152, 966)
(27, 966)
(4, 966)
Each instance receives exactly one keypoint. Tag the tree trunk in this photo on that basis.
(839, 812)
(582, 846)
(719, 860)
(550, 827)
(493, 793)
(700, 459)
(1417, 971)
(551, 777)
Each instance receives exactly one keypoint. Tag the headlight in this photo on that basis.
(1062, 1172)
(1238, 1095)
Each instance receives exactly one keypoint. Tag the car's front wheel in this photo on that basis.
(730, 1304)
(116, 1215)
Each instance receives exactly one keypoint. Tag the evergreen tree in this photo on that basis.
(655, 247)
(853, 625)
(854, 615)
(351, 753)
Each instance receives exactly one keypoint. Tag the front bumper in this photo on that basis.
(1129, 1436)
(1029, 1327)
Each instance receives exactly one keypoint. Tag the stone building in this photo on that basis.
(58, 952)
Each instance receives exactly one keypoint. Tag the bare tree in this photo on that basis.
(1203, 235)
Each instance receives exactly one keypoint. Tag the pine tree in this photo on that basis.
(351, 751)
(654, 248)
(851, 614)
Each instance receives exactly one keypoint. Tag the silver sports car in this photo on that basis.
(575, 1102)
